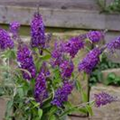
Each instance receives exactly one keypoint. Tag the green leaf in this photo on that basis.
(84, 76)
(38, 64)
(68, 111)
(9, 108)
(32, 82)
(101, 57)
(35, 104)
(110, 79)
(84, 96)
(40, 113)
(117, 79)
(20, 92)
(89, 109)
(100, 76)
(46, 57)
(52, 117)
(82, 110)
(47, 103)
(73, 109)
(47, 51)
(57, 73)
(53, 92)
(78, 85)
(56, 77)
(111, 76)
(68, 104)
(9, 54)
(9, 105)
(53, 110)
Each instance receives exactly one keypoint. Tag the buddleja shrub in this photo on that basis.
(37, 80)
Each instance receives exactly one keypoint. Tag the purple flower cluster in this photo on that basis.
(103, 99)
(61, 94)
(115, 44)
(95, 36)
(14, 28)
(57, 54)
(40, 91)
(90, 61)
(37, 31)
(67, 68)
(74, 45)
(25, 61)
(5, 40)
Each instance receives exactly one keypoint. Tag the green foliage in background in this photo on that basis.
(113, 7)
(96, 75)
(112, 79)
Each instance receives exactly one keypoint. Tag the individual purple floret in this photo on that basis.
(103, 99)
(67, 68)
(90, 61)
(61, 94)
(14, 29)
(44, 69)
(57, 54)
(74, 45)
(95, 36)
(25, 61)
(37, 31)
(5, 40)
(115, 44)
(40, 91)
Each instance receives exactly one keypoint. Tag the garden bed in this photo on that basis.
(75, 96)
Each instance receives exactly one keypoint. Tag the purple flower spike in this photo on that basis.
(103, 99)
(95, 36)
(5, 40)
(66, 69)
(90, 61)
(14, 29)
(25, 61)
(74, 45)
(37, 31)
(115, 44)
(57, 54)
(61, 94)
(40, 88)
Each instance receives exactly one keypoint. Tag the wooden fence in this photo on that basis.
(75, 14)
